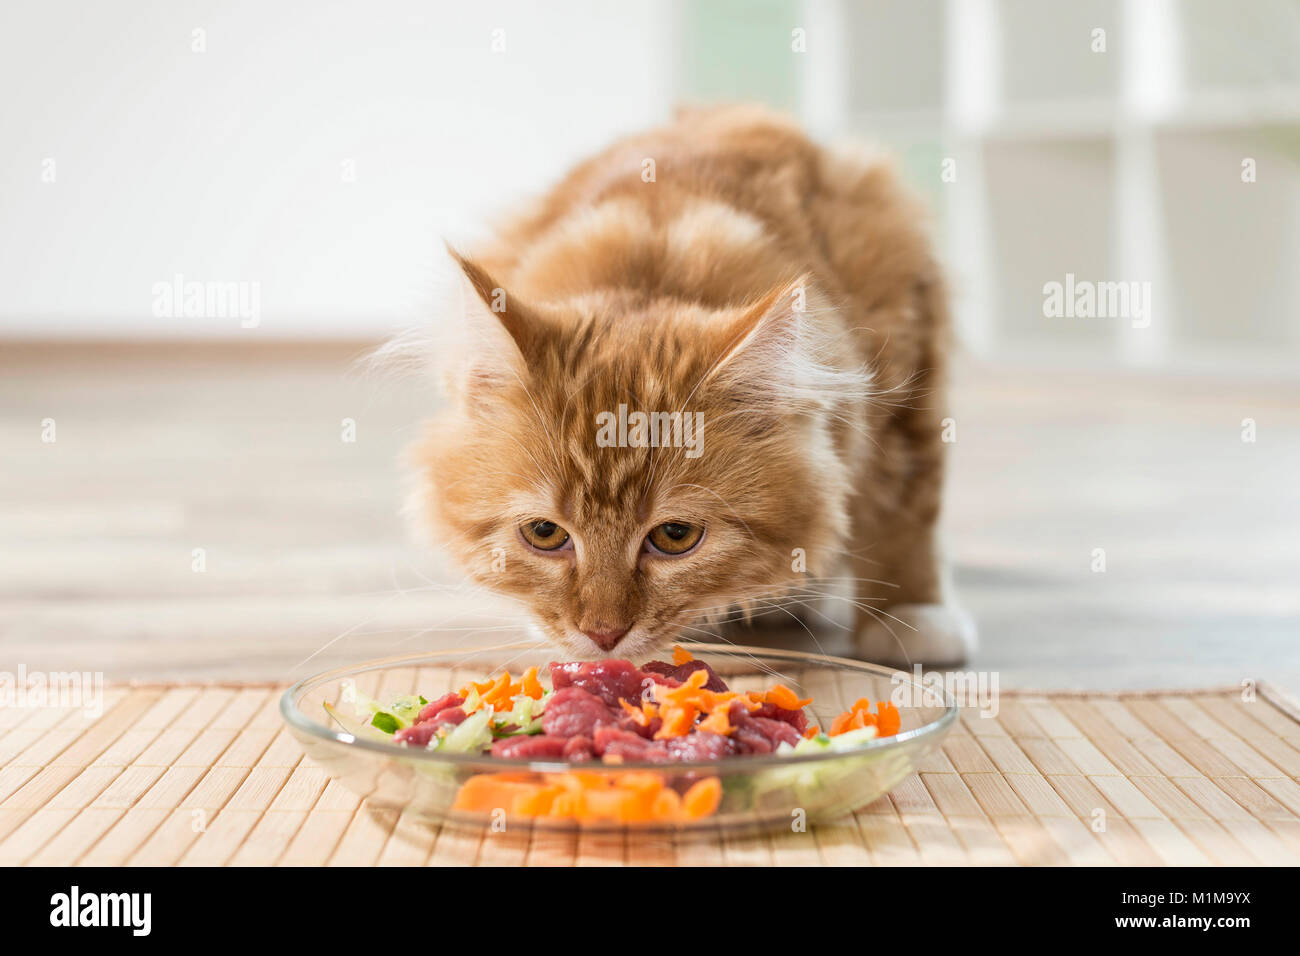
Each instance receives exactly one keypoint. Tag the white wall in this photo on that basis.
(226, 166)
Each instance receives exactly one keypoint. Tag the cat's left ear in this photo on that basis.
(489, 338)
(781, 352)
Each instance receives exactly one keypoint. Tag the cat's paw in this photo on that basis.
(932, 634)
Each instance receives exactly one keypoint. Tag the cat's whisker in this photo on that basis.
(440, 628)
(794, 617)
(741, 606)
(902, 647)
(505, 665)
(799, 597)
(829, 620)
(757, 662)
(864, 607)
(330, 643)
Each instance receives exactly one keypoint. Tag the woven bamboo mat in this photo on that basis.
(206, 775)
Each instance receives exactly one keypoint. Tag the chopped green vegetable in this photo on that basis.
(471, 735)
(390, 718)
(405, 709)
(472, 700)
(385, 722)
(526, 718)
(356, 727)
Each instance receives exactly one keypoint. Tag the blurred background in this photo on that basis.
(181, 492)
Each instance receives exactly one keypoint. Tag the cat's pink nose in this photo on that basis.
(606, 638)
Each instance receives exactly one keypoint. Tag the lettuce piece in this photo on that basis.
(385, 722)
(836, 784)
(389, 718)
(406, 709)
(375, 720)
(851, 739)
(471, 735)
(359, 728)
(472, 700)
(526, 716)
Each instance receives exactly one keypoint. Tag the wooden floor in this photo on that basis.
(163, 450)
(206, 776)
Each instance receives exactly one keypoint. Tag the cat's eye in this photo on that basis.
(674, 537)
(544, 535)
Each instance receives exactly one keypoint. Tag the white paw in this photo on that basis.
(908, 634)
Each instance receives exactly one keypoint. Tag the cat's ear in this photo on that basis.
(488, 337)
(781, 353)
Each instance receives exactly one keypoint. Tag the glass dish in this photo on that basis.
(757, 791)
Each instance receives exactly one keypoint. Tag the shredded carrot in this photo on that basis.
(680, 707)
(682, 656)
(530, 685)
(502, 692)
(667, 805)
(475, 687)
(677, 722)
(640, 715)
(583, 779)
(703, 798)
(853, 719)
(688, 690)
(640, 781)
(785, 698)
(635, 797)
(886, 719)
(717, 722)
(566, 804)
(811, 731)
(537, 802)
(492, 791)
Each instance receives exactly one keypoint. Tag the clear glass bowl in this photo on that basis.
(757, 791)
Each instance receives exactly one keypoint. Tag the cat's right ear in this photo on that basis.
(487, 338)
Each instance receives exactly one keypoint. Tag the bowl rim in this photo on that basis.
(299, 721)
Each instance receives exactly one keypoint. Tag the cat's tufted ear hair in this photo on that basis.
(781, 353)
(487, 337)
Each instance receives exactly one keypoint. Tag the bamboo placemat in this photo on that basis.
(185, 774)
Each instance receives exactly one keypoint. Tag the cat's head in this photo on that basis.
(627, 468)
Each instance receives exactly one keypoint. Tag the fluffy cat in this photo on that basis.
(779, 299)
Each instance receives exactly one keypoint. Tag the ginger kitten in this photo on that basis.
(703, 374)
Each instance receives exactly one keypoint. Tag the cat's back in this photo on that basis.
(717, 207)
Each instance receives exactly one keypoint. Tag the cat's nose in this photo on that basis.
(606, 638)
